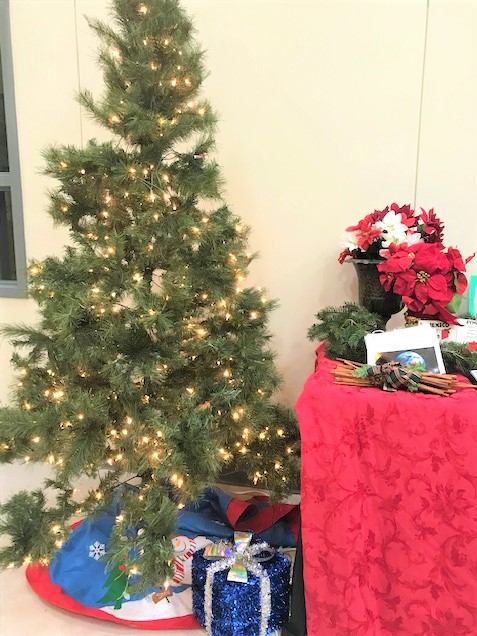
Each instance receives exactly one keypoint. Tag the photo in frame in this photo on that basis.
(409, 346)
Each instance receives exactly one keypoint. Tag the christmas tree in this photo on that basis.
(151, 358)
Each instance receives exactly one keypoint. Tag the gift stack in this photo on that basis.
(241, 589)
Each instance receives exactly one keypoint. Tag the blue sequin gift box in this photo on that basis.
(256, 607)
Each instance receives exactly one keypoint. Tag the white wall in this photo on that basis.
(320, 106)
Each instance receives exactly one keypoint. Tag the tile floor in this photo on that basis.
(22, 613)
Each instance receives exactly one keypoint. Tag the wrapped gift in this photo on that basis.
(241, 589)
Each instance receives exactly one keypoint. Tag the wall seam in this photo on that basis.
(421, 101)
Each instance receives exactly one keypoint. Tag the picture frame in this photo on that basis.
(412, 345)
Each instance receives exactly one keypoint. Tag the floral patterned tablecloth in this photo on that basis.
(389, 510)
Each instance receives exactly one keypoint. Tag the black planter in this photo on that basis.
(372, 294)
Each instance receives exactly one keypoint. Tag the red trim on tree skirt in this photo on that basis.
(38, 577)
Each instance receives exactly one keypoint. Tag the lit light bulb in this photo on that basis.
(35, 440)
(143, 9)
(253, 315)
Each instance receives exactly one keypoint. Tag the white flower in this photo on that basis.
(97, 550)
(350, 241)
(413, 237)
(392, 229)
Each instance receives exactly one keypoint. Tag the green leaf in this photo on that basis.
(362, 372)
(455, 304)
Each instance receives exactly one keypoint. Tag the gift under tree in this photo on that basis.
(151, 355)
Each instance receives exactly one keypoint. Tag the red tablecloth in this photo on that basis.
(389, 510)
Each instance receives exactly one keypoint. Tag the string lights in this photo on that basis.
(126, 228)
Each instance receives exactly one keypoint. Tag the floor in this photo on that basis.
(24, 614)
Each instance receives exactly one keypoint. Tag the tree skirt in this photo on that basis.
(39, 579)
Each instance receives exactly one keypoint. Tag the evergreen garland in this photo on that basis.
(458, 358)
(344, 328)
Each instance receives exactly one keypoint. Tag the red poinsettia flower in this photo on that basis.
(366, 233)
(419, 273)
(378, 215)
(458, 266)
(344, 255)
(433, 227)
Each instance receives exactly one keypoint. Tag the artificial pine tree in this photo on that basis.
(151, 357)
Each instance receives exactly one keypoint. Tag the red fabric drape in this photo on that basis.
(389, 510)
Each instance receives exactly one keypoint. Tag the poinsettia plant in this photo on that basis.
(430, 280)
(395, 224)
(414, 262)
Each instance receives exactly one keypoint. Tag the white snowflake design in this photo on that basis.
(97, 550)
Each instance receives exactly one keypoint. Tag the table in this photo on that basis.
(389, 510)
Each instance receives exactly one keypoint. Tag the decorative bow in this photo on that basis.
(239, 557)
(392, 376)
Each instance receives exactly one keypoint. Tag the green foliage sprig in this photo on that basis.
(458, 358)
(344, 328)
